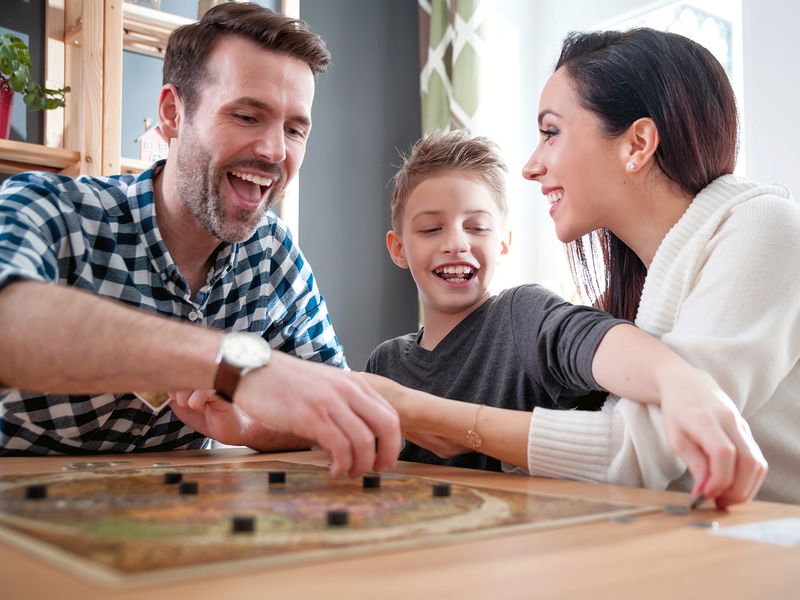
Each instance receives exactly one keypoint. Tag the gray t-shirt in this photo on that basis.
(523, 348)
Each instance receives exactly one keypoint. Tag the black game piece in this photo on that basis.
(441, 490)
(277, 476)
(188, 488)
(372, 482)
(338, 518)
(36, 492)
(172, 477)
(243, 524)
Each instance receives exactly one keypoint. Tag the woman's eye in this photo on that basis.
(549, 133)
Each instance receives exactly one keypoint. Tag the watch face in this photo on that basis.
(245, 350)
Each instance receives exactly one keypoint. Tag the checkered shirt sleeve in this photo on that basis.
(101, 235)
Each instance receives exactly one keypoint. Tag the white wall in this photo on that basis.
(772, 91)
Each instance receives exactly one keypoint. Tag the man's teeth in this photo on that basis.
(555, 196)
(265, 181)
(455, 273)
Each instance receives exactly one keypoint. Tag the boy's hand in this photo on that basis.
(441, 447)
(707, 431)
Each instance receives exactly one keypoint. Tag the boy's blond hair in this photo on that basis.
(476, 156)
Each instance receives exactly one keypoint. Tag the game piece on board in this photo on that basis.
(188, 488)
(372, 481)
(676, 509)
(277, 476)
(441, 490)
(243, 524)
(704, 524)
(172, 477)
(338, 518)
(35, 492)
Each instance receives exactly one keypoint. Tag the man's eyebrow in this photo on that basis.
(546, 112)
(256, 103)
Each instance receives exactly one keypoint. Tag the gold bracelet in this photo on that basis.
(474, 440)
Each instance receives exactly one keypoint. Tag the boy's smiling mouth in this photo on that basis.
(455, 273)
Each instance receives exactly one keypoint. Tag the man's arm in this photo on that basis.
(62, 340)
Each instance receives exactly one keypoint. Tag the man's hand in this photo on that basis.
(707, 431)
(336, 409)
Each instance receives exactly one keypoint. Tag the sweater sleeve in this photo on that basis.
(738, 319)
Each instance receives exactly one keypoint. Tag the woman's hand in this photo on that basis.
(707, 431)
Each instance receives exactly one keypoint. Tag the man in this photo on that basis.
(191, 240)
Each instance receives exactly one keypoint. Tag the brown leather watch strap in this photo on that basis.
(226, 380)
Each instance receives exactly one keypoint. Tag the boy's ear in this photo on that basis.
(395, 246)
(170, 112)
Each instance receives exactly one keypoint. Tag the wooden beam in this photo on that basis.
(54, 70)
(35, 156)
(112, 86)
(92, 88)
(290, 205)
(73, 20)
(146, 31)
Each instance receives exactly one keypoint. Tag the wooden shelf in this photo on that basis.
(132, 166)
(16, 157)
(146, 30)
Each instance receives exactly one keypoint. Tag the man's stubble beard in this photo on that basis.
(199, 187)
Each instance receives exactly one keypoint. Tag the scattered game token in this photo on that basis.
(441, 490)
(372, 481)
(243, 524)
(676, 509)
(188, 488)
(704, 524)
(338, 518)
(277, 476)
(172, 477)
(36, 492)
(161, 464)
(622, 519)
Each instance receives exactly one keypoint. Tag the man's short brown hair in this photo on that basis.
(186, 57)
(474, 156)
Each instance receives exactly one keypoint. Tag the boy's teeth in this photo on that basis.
(459, 270)
(265, 181)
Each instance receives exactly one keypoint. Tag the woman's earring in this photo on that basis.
(631, 166)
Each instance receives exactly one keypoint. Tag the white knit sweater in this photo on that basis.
(724, 292)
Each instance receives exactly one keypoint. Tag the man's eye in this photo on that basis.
(244, 118)
(295, 132)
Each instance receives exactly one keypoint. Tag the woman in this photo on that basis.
(638, 140)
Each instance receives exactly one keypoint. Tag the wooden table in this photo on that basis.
(656, 556)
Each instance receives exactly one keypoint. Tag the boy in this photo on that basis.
(525, 347)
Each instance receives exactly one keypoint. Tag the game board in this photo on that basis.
(129, 527)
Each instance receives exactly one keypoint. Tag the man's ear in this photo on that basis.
(170, 112)
(640, 143)
(394, 243)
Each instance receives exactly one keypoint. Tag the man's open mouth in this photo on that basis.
(249, 186)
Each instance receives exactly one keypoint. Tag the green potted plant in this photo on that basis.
(15, 76)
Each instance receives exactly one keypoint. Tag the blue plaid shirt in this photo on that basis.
(101, 235)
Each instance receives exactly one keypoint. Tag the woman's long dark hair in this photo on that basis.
(622, 77)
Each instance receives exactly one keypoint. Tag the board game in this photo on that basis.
(146, 525)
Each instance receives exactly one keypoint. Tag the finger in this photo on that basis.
(384, 423)
(333, 441)
(696, 460)
(721, 453)
(750, 467)
(362, 440)
(180, 397)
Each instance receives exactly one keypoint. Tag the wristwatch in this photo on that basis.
(238, 354)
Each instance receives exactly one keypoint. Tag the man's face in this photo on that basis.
(246, 138)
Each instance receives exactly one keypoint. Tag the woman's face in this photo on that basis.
(581, 170)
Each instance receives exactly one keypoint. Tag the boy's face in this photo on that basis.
(451, 241)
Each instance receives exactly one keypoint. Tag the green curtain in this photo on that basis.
(450, 52)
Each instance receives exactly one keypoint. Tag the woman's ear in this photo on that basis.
(170, 112)
(395, 245)
(640, 143)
